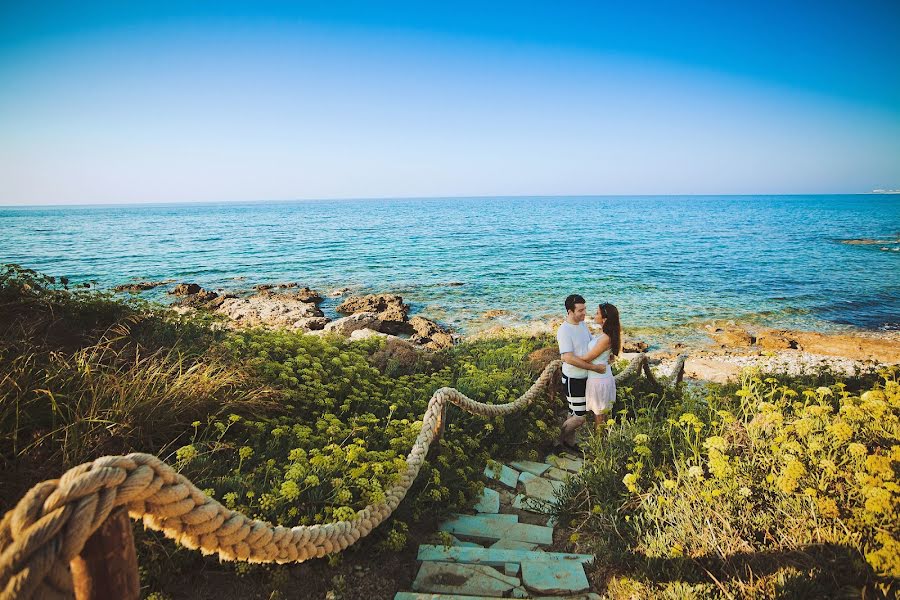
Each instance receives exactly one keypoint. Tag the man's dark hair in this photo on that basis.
(572, 300)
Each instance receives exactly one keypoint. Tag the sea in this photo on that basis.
(822, 263)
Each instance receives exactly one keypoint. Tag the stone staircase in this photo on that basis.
(500, 552)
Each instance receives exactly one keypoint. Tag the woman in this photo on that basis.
(601, 387)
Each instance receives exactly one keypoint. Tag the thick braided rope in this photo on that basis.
(51, 523)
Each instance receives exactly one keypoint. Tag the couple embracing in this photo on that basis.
(586, 373)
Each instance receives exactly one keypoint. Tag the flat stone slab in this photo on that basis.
(563, 462)
(503, 474)
(489, 502)
(535, 468)
(588, 596)
(557, 474)
(488, 527)
(480, 527)
(497, 556)
(505, 544)
(540, 487)
(463, 579)
(560, 577)
(427, 596)
(536, 534)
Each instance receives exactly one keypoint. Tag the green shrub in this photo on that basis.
(764, 479)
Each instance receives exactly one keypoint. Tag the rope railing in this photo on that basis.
(43, 537)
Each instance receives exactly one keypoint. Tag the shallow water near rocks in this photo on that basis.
(665, 261)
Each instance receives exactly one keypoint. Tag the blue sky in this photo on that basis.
(122, 102)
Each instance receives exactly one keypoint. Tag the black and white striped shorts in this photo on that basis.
(575, 391)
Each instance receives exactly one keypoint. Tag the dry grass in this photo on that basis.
(61, 408)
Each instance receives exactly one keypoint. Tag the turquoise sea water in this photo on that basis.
(665, 261)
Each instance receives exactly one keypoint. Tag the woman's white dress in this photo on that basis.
(601, 387)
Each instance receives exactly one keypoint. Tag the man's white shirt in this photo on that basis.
(575, 339)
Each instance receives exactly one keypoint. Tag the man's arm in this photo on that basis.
(569, 357)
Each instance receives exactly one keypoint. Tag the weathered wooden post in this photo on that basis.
(107, 567)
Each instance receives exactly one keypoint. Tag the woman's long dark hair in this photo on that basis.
(612, 327)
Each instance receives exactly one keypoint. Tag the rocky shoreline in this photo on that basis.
(719, 353)
(296, 308)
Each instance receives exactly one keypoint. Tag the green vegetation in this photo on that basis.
(776, 487)
(772, 488)
(285, 427)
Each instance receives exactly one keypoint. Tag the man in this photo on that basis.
(573, 338)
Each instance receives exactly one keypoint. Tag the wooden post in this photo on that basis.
(107, 567)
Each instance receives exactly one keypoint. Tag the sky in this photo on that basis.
(130, 102)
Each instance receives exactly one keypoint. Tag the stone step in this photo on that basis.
(496, 556)
(480, 528)
(427, 596)
(540, 487)
(489, 502)
(527, 466)
(463, 579)
(566, 462)
(562, 577)
(503, 474)
(557, 474)
(505, 544)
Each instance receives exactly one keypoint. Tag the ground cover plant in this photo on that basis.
(289, 428)
(776, 487)
(772, 487)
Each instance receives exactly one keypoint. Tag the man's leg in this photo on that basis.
(570, 429)
(575, 396)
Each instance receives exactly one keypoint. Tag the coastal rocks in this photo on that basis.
(272, 311)
(310, 324)
(306, 294)
(391, 310)
(303, 294)
(347, 325)
(730, 335)
(262, 287)
(364, 334)
(870, 242)
(201, 298)
(493, 314)
(141, 286)
(776, 340)
(430, 334)
(709, 369)
(882, 348)
(339, 292)
(185, 289)
(857, 347)
(388, 314)
(632, 345)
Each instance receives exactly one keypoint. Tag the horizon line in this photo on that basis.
(463, 197)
